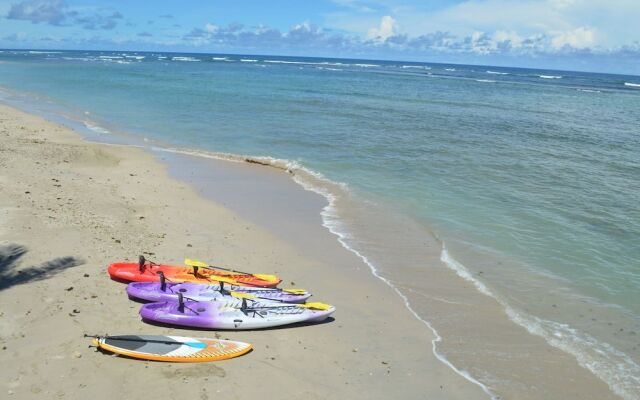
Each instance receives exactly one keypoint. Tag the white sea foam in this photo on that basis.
(415, 66)
(187, 59)
(110, 57)
(615, 368)
(485, 80)
(220, 58)
(95, 128)
(304, 62)
(449, 69)
(588, 90)
(288, 62)
(633, 85)
(136, 57)
(366, 65)
(332, 222)
(497, 73)
(43, 52)
(550, 76)
(249, 60)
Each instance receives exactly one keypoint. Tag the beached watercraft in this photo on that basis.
(168, 291)
(235, 313)
(195, 271)
(171, 348)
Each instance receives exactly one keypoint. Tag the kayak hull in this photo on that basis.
(229, 315)
(149, 272)
(156, 292)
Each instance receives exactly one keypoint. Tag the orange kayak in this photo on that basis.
(147, 271)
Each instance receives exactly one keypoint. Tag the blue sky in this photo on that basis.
(596, 35)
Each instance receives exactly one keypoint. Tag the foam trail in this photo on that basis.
(95, 128)
(289, 62)
(416, 66)
(330, 221)
(612, 366)
(633, 85)
(550, 76)
(188, 59)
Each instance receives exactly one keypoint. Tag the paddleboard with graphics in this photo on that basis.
(171, 348)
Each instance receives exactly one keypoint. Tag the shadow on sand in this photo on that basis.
(10, 256)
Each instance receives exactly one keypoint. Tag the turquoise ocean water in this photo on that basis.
(528, 174)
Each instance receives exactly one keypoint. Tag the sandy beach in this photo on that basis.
(69, 207)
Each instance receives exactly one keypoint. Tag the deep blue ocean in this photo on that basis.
(530, 174)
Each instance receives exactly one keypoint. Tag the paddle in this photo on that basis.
(311, 306)
(295, 292)
(200, 264)
(197, 345)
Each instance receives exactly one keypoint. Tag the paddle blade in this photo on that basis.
(222, 279)
(295, 291)
(268, 278)
(241, 295)
(195, 263)
(315, 306)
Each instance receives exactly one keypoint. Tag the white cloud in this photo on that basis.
(508, 36)
(598, 24)
(579, 38)
(211, 28)
(386, 29)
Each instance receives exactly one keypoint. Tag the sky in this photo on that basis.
(587, 35)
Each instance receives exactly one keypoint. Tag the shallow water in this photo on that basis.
(531, 178)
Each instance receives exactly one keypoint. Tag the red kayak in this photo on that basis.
(147, 271)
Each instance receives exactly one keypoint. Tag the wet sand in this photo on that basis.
(69, 207)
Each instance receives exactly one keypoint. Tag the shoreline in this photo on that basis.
(99, 203)
(461, 291)
(486, 309)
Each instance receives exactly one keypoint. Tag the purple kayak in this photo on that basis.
(168, 291)
(233, 313)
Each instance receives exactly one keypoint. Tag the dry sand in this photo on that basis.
(68, 208)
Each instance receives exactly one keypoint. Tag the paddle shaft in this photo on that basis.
(225, 269)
